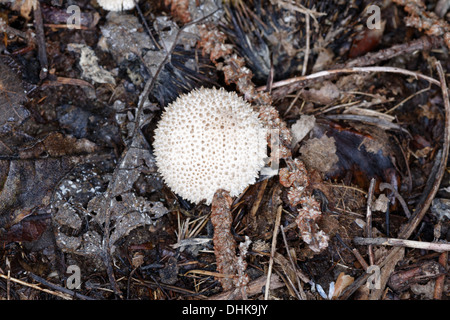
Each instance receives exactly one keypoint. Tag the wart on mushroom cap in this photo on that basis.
(209, 139)
(116, 5)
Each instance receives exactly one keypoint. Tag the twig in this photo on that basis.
(300, 293)
(147, 28)
(40, 37)
(297, 83)
(435, 246)
(259, 197)
(307, 49)
(380, 122)
(327, 73)
(73, 294)
(384, 185)
(272, 251)
(440, 280)
(407, 99)
(369, 218)
(34, 286)
(355, 252)
(224, 243)
(388, 268)
(424, 43)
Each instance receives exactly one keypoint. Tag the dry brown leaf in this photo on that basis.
(342, 282)
(28, 181)
(25, 7)
(320, 153)
(12, 97)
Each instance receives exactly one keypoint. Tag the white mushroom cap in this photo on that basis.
(209, 139)
(116, 5)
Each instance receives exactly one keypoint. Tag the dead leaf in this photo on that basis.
(89, 65)
(342, 282)
(127, 212)
(301, 128)
(25, 7)
(320, 153)
(29, 178)
(361, 154)
(29, 229)
(366, 41)
(324, 60)
(12, 97)
(326, 94)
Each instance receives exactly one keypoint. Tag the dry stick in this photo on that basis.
(8, 286)
(440, 281)
(307, 50)
(224, 243)
(355, 252)
(73, 294)
(386, 272)
(144, 22)
(272, 251)
(300, 293)
(259, 197)
(299, 82)
(380, 122)
(425, 43)
(34, 286)
(384, 185)
(369, 219)
(40, 37)
(327, 73)
(435, 246)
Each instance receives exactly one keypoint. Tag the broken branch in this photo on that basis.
(435, 246)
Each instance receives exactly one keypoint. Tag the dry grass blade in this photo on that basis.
(34, 286)
(272, 251)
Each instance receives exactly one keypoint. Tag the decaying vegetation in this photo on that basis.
(354, 203)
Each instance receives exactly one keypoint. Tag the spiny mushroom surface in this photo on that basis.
(116, 5)
(209, 139)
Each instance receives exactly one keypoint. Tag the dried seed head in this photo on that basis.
(209, 139)
(116, 5)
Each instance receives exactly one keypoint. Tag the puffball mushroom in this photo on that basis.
(116, 5)
(209, 139)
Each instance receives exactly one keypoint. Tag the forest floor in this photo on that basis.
(356, 208)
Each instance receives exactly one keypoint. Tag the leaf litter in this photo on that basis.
(87, 192)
